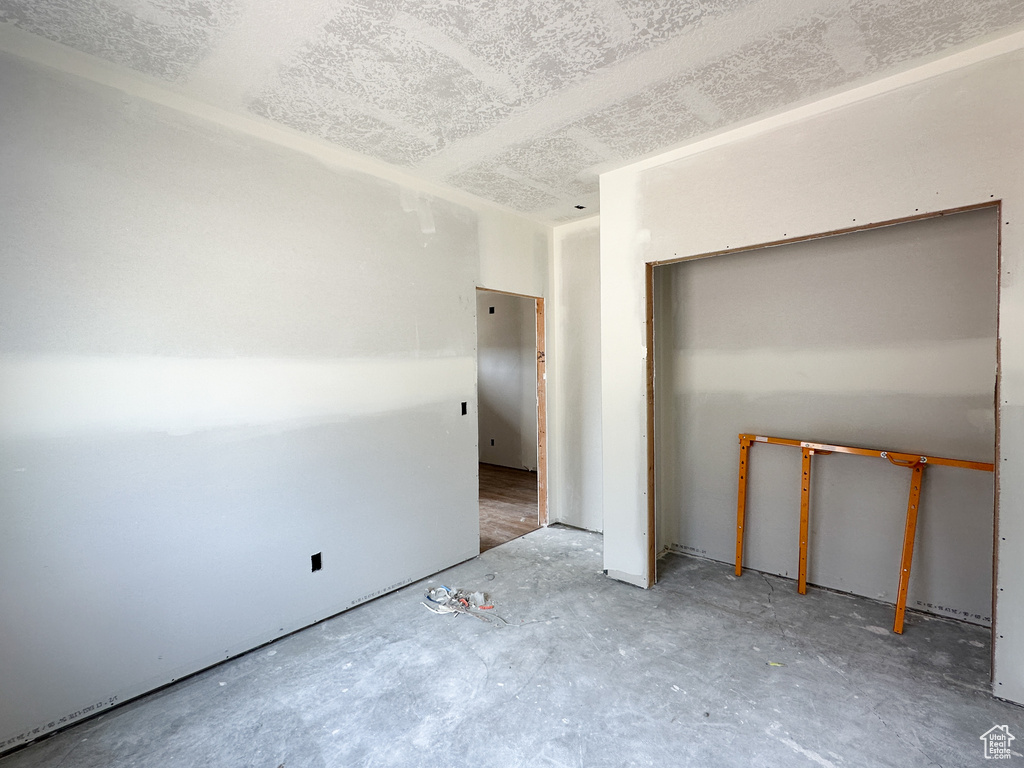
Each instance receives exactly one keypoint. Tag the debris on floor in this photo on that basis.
(445, 600)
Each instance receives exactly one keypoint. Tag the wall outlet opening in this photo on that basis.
(317, 561)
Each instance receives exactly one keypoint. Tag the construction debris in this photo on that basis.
(445, 600)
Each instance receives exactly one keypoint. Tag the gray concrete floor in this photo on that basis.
(703, 670)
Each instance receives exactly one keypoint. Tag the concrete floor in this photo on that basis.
(703, 670)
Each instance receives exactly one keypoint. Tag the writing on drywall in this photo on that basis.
(40, 730)
(382, 591)
(956, 613)
(691, 550)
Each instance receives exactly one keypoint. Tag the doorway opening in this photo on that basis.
(512, 427)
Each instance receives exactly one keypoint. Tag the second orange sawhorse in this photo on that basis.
(915, 462)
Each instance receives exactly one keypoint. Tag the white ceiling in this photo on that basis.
(520, 102)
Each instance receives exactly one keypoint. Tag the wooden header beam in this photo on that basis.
(913, 461)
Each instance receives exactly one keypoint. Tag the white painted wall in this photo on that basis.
(217, 357)
(576, 487)
(949, 134)
(884, 338)
(507, 379)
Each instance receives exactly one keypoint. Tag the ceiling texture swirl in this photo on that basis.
(520, 102)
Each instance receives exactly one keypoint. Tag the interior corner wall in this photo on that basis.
(507, 379)
(884, 338)
(952, 139)
(218, 357)
(577, 488)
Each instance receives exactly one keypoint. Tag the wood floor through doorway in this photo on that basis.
(508, 504)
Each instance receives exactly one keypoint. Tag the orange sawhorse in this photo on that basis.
(914, 462)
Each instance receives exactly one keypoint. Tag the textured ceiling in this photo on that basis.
(521, 102)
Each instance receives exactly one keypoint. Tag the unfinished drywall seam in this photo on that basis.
(996, 538)
(867, 227)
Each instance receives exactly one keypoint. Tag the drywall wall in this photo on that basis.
(576, 488)
(513, 254)
(946, 135)
(217, 358)
(507, 379)
(879, 338)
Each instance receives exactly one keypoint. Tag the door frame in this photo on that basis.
(542, 410)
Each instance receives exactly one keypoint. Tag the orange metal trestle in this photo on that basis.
(915, 462)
